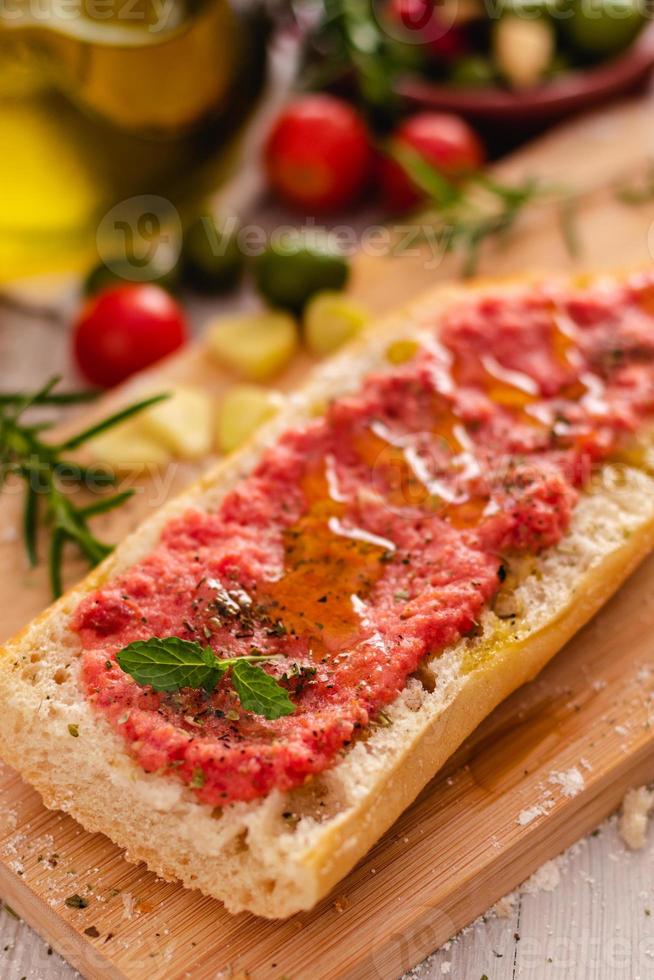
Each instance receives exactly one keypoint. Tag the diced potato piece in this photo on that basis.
(244, 409)
(255, 346)
(523, 48)
(183, 423)
(330, 320)
(128, 448)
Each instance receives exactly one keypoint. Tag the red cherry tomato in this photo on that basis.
(318, 156)
(429, 25)
(452, 43)
(124, 329)
(445, 141)
(414, 16)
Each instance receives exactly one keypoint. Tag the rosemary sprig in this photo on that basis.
(47, 397)
(479, 208)
(638, 193)
(569, 227)
(49, 475)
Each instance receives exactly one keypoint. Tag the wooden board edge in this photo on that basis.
(72, 945)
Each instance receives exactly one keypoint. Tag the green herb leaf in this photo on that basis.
(30, 520)
(76, 902)
(425, 176)
(54, 562)
(638, 193)
(169, 664)
(198, 779)
(481, 208)
(49, 398)
(259, 692)
(567, 215)
(44, 470)
(110, 421)
(359, 47)
(106, 504)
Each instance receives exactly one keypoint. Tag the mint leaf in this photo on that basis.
(169, 663)
(259, 692)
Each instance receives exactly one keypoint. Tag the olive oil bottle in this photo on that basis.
(101, 100)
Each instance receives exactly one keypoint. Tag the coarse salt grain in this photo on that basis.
(570, 782)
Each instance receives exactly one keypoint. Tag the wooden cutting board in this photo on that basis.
(505, 803)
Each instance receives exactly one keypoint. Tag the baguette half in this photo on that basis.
(281, 854)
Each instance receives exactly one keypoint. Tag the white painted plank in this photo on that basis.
(597, 924)
(24, 955)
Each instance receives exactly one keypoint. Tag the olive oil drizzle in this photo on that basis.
(331, 565)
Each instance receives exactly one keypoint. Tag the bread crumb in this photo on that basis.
(342, 904)
(128, 905)
(636, 808)
(527, 816)
(570, 782)
(446, 967)
(546, 879)
(505, 908)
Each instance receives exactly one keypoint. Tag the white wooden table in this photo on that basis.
(597, 924)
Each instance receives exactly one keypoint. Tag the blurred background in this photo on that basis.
(105, 100)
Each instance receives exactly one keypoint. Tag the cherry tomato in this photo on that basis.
(124, 329)
(422, 22)
(318, 155)
(445, 141)
(413, 16)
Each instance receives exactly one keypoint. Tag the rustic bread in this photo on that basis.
(281, 854)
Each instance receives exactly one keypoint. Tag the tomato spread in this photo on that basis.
(374, 536)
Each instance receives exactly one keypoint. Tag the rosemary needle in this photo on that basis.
(469, 212)
(44, 468)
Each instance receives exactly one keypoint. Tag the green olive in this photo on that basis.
(559, 65)
(473, 70)
(288, 274)
(121, 272)
(602, 27)
(212, 260)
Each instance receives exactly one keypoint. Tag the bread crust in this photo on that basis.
(252, 855)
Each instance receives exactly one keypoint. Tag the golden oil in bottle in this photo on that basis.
(104, 99)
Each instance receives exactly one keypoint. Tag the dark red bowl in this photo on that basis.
(541, 105)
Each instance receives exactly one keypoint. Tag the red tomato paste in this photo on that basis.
(369, 538)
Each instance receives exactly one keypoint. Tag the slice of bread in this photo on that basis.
(281, 854)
